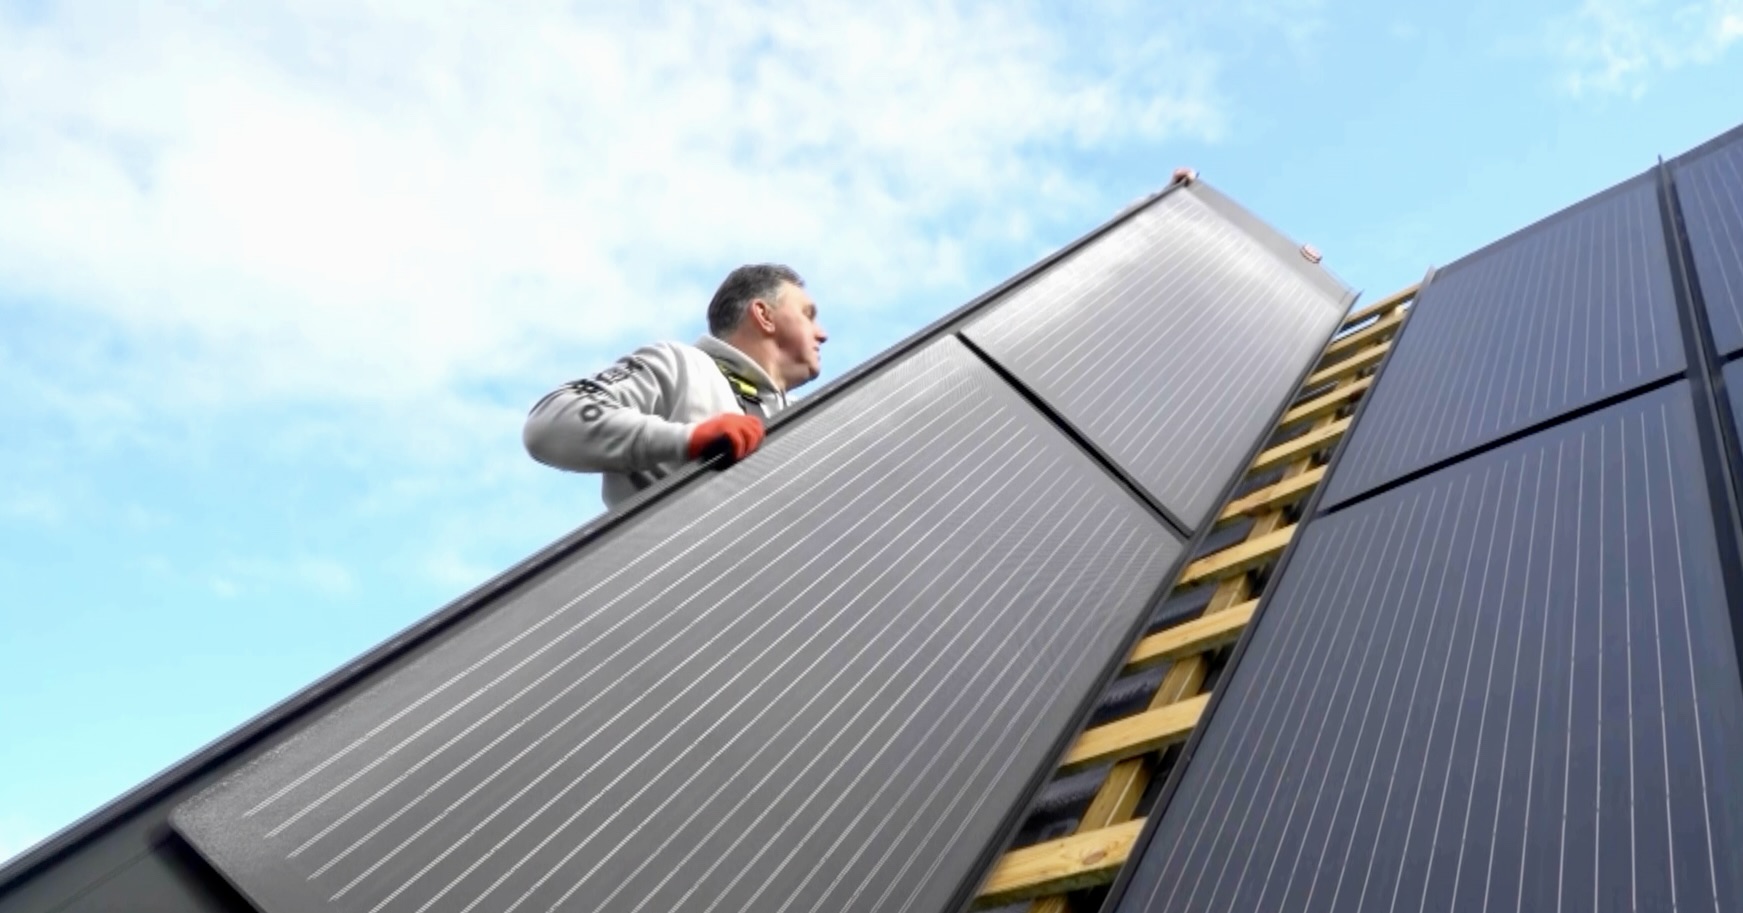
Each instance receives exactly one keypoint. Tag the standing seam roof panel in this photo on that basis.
(1562, 315)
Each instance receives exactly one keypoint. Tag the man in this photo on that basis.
(667, 403)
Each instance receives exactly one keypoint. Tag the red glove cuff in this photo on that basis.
(732, 433)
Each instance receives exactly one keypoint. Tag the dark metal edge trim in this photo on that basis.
(1568, 211)
(1286, 250)
(1688, 156)
(1715, 427)
(1312, 507)
(1007, 831)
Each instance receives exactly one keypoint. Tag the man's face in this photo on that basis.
(798, 336)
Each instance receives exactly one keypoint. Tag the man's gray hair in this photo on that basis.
(740, 288)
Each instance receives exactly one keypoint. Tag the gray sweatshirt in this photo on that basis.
(632, 421)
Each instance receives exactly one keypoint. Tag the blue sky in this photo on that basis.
(277, 286)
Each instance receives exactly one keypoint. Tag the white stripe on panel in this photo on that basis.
(1309, 621)
(779, 646)
(803, 468)
(1415, 659)
(645, 658)
(863, 703)
(1579, 529)
(1694, 688)
(1356, 673)
(1196, 304)
(1217, 755)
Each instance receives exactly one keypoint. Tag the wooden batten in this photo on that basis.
(1361, 361)
(1206, 633)
(1067, 864)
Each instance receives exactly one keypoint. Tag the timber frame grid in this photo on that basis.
(1073, 874)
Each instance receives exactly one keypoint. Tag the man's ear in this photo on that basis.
(761, 309)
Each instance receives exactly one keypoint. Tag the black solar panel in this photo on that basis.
(1507, 685)
(1561, 315)
(820, 682)
(1169, 344)
(1709, 186)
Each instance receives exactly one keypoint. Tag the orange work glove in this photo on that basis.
(728, 432)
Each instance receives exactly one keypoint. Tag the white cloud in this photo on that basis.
(379, 201)
(377, 230)
(1619, 47)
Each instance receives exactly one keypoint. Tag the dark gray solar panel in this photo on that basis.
(1709, 186)
(819, 682)
(1170, 343)
(1559, 316)
(1508, 685)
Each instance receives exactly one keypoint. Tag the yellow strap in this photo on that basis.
(739, 383)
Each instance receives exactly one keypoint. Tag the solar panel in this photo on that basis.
(1506, 685)
(820, 682)
(1560, 316)
(1709, 187)
(1170, 344)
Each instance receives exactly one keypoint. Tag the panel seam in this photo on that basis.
(1511, 437)
(1082, 441)
(1715, 427)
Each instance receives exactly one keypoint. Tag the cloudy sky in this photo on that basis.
(278, 285)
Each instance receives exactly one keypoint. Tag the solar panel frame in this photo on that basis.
(1708, 183)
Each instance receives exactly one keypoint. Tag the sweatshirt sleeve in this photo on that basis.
(614, 421)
